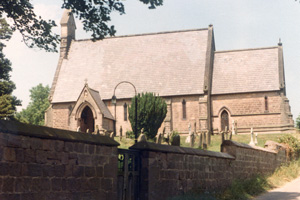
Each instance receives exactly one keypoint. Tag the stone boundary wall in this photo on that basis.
(41, 163)
(168, 171)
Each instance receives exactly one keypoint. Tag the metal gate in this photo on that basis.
(128, 174)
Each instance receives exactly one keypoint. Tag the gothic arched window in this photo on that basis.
(125, 112)
(183, 109)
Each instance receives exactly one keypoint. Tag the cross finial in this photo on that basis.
(279, 43)
(85, 81)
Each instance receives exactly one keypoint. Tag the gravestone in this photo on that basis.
(255, 141)
(121, 133)
(97, 131)
(252, 141)
(176, 140)
(233, 127)
(142, 138)
(192, 140)
(188, 139)
(78, 129)
(158, 138)
(204, 145)
(112, 135)
(87, 130)
(200, 140)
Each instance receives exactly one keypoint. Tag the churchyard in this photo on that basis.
(215, 140)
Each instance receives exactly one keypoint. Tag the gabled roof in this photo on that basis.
(170, 63)
(97, 99)
(248, 70)
(96, 96)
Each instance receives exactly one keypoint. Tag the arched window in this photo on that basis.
(224, 120)
(125, 112)
(183, 109)
(266, 104)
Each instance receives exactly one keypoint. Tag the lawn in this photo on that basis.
(215, 140)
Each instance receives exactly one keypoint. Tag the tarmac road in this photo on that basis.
(290, 191)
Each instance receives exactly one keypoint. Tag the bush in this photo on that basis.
(151, 112)
(130, 134)
(173, 134)
(293, 144)
(298, 122)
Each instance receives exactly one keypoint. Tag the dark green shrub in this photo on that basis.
(151, 112)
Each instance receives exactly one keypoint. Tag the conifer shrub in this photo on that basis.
(151, 112)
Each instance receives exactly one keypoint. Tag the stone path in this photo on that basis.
(290, 191)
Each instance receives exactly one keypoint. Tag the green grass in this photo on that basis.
(215, 140)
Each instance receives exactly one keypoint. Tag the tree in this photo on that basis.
(298, 122)
(37, 32)
(151, 113)
(8, 102)
(35, 111)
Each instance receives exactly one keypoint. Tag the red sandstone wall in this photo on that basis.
(169, 171)
(38, 168)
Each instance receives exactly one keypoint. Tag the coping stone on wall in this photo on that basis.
(246, 146)
(17, 128)
(149, 146)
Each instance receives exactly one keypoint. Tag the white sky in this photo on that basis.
(237, 24)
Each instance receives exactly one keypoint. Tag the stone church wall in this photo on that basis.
(60, 115)
(177, 122)
(249, 110)
(41, 163)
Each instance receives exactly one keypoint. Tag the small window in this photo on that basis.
(266, 104)
(183, 109)
(125, 112)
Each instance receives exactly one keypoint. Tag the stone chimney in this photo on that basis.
(68, 28)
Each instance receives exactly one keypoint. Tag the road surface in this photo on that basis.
(290, 191)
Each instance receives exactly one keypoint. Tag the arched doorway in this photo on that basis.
(224, 120)
(87, 120)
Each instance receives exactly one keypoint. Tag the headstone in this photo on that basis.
(176, 140)
(121, 133)
(200, 140)
(78, 129)
(97, 131)
(158, 138)
(252, 141)
(192, 140)
(223, 137)
(204, 145)
(226, 133)
(255, 141)
(112, 135)
(188, 139)
(142, 138)
(233, 127)
(87, 130)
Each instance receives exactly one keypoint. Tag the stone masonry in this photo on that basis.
(40, 163)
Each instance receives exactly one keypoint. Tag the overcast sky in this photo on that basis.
(238, 24)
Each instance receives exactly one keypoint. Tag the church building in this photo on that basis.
(201, 86)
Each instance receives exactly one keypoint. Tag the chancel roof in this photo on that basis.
(167, 64)
(250, 70)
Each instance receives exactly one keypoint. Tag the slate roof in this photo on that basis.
(248, 70)
(170, 63)
(106, 113)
